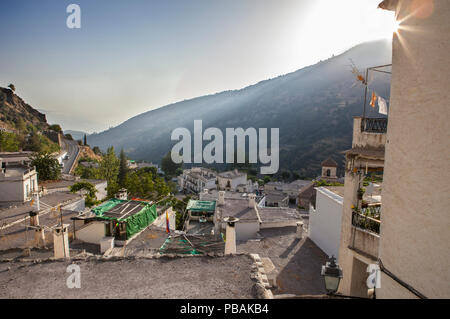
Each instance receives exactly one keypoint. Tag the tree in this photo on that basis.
(12, 87)
(85, 139)
(168, 166)
(91, 198)
(47, 167)
(34, 143)
(69, 136)
(267, 179)
(285, 175)
(56, 128)
(109, 167)
(96, 150)
(8, 142)
(123, 169)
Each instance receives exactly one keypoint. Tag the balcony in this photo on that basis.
(369, 133)
(374, 125)
(368, 219)
(365, 232)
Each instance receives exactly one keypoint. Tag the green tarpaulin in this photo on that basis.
(139, 221)
(134, 223)
(201, 205)
(103, 208)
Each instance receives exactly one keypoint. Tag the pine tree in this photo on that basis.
(123, 169)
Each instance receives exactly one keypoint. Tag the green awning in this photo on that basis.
(201, 205)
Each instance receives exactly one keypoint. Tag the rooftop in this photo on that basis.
(270, 214)
(298, 262)
(189, 277)
(11, 214)
(67, 184)
(336, 190)
(237, 208)
(329, 162)
(231, 174)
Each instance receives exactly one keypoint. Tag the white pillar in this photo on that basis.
(221, 198)
(299, 233)
(251, 200)
(230, 243)
(61, 241)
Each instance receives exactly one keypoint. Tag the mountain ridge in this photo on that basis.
(296, 99)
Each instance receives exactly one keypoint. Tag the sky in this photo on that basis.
(133, 56)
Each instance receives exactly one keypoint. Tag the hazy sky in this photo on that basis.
(133, 56)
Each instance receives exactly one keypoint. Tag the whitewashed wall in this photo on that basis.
(325, 221)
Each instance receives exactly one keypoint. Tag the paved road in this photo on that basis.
(72, 149)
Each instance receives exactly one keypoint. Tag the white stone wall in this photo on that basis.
(91, 233)
(325, 221)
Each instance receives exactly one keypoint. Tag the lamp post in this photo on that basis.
(332, 274)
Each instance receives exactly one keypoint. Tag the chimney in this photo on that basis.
(251, 200)
(61, 241)
(205, 192)
(221, 198)
(230, 243)
(34, 218)
(299, 233)
(36, 206)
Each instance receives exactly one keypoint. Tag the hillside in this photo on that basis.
(313, 107)
(22, 127)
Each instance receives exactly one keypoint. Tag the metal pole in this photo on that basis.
(62, 231)
(365, 95)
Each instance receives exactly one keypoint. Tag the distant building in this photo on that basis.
(292, 190)
(276, 199)
(329, 169)
(196, 179)
(232, 180)
(307, 196)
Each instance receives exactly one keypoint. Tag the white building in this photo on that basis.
(18, 182)
(234, 181)
(292, 190)
(196, 179)
(325, 219)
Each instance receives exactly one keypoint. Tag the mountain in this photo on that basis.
(24, 128)
(77, 135)
(13, 108)
(313, 107)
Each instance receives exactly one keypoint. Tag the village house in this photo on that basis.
(235, 181)
(196, 179)
(18, 180)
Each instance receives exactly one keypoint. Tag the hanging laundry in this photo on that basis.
(382, 106)
(373, 100)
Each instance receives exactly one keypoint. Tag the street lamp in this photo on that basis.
(332, 274)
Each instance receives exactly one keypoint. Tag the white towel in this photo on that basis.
(382, 106)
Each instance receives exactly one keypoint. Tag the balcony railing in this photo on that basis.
(368, 220)
(374, 125)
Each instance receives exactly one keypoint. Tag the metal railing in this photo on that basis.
(374, 125)
(365, 222)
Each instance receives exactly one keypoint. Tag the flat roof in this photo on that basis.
(269, 214)
(200, 277)
(237, 208)
(201, 205)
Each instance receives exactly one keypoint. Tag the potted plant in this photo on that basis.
(361, 192)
